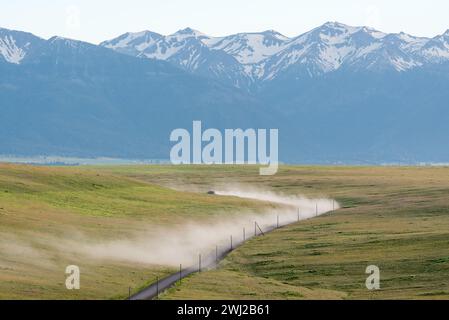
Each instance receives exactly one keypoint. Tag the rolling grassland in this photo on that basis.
(394, 217)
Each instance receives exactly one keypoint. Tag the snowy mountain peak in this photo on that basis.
(250, 48)
(334, 25)
(133, 43)
(446, 34)
(437, 49)
(189, 33)
(189, 30)
(59, 42)
(407, 37)
(61, 39)
(335, 28)
(275, 34)
(15, 45)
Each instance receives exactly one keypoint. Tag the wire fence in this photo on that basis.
(211, 259)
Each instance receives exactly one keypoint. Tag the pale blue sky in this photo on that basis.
(97, 20)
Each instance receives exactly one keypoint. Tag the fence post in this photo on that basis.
(129, 293)
(157, 288)
(244, 235)
(180, 273)
(231, 242)
(199, 263)
(277, 221)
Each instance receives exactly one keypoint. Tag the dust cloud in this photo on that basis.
(182, 244)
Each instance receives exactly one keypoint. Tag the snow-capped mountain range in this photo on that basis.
(256, 57)
(246, 59)
(336, 93)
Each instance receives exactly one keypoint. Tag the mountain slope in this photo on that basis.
(364, 117)
(73, 98)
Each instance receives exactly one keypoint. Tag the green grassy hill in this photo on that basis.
(41, 204)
